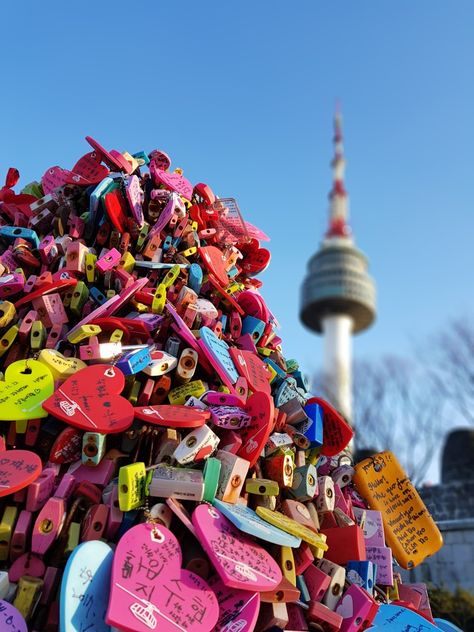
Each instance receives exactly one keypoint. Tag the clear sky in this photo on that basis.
(241, 95)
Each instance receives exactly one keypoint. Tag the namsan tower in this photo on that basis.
(338, 295)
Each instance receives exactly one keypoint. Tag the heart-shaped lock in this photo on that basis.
(90, 400)
(85, 588)
(254, 436)
(217, 352)
(90, 167)
(240, 562)
(172, 181)
(60, 366)
(252, 368)
(150, 590)
(11, 619)
(238, 609)
(336, 431)
(214, 263)
(172, 416)
(28, 383)
(18, 469)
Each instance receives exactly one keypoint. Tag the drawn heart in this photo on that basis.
(172, 181)
(238, 609)
(55, 177)
(60, 366)
(346, 607)
(85, 587)
(214, 263)
(336, 431)
(217, 352)
(18, 469)
(240, 562)
(150, 590)
(11, 618)
(252, 368)
(27, 384)
(90, 167)
(90, 400)
(254, 436)
(172, 416)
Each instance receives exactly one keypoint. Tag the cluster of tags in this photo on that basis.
(163, 466)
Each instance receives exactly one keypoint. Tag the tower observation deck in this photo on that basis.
(338, 295)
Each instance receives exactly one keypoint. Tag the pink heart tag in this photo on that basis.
(254, 436)
(240, 562)
(18, 469)
(160, 159)
(150, 590)
(238, 609)
(90, 168)
(55, 177)
(110, 159)
(172, 181)
(135, 198)
(90, 400)
(252, 368)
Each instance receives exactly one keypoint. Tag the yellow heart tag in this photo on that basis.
(28, 383)
(60, 366)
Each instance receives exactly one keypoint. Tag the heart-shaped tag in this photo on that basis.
(172, 416)
(252, 368)
(90, 168)
(27, 384)
(446, 626)
(254, 305)
(85, 588)
(60, 366)
(238, 609)
(345, 607)
(55, 177)
(135, 198)
(254, 436)
(217, 352)
(336, 431)
(110, 159)
(150, 590)
(11, 619)
(67, 447)
(401, 618)
(214, 263)
(256, 261)
(240, 562)
(172, 181)
(18, 469)
(256, 233)
(90, 400)
(160, 159)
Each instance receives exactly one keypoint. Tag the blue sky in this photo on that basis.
(241, 95)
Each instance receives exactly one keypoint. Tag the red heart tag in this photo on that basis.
(172, 416)
(256, 261)
(150, 590)
(240, 562)
(254, 436)
(254, 305)
(67, 447)
(214, 263)
(172, 181)
(18, 469)
(336, 431)
(55, 177)
(90, 167)
(90, 400)
(252, 368)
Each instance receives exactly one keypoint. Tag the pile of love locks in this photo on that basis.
(162, 464)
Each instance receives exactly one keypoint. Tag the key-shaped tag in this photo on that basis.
(11, 618)
(91, 400)
(217, 352)
(28, 383)
(172, 416)
(85, 588)
(150, 590)
(249, 522)
(240, 562)
(238, 609)
(18, 469)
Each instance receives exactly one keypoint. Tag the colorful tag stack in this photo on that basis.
(163, 465)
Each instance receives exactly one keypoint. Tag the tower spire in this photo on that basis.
(338, 201)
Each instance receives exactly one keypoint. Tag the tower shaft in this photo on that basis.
(337, 361)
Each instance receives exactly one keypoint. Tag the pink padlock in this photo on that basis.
(48, 525)
(357, 609)
(115, 516)
(94, 523)
(109, 260)
(26, 564)
(66, 487)
(21, 534)
(317, 582)
(51, 579)
(40, 490)
(99, 475)
(51, 310)
(303, 558)
(26, 325)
